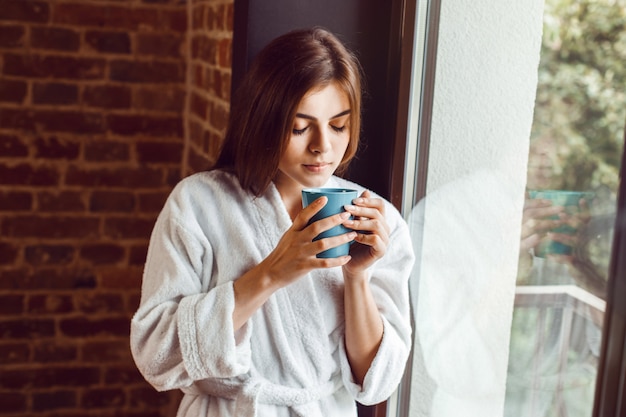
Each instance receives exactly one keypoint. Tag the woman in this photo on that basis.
(237, 311)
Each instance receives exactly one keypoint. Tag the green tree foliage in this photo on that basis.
(581, 95)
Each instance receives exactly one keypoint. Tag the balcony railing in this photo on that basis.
(569, 301)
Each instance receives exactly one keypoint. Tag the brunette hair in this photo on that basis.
(265, 104)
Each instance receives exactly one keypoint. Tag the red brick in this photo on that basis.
(60, 201)
(142, 397)
(106, 151)
(12, 91)
(224, 48)
(14, 353)
(172, 176)
(159, 152)
(54, 400)
(107, 96)
(198, 106)
(138, 255)
(24, 11)
(172, 19)
(121, 177)
(11, 145)
(52, 352)
(15, 201)
(12, 402)
(101, 303)
(11, 305)
(12, 36)
(26, 329)
(216, 18)
(160, 44)
(105, 352)
(128, 227)
(46, 279)
(112, 201)
(50, 304)
(89, 327)
(54, 38)
(70, 121)
(122, 375)
(218, 83)
(166, 98)
(52, 121)
(147, 71)
(55, 93)
(103, 398)
(115, 278)
(102, 253)
(110, 42)
(99, 16)
(230, 13)
(36, 66)
(24, 174)
(198, 12)
(152, 202)
(8, 253)
(159, 126)
(219, 117)
(66, 227)
(54, 148)
(198, 162)
(204, 48)
(50, 377)
(39, 255)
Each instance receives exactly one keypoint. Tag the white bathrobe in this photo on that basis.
(289, 359)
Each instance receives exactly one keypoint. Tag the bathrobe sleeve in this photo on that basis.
(183, 329)
(389, 285)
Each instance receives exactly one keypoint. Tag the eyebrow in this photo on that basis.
(306, 116)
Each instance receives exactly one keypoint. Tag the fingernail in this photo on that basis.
(345, 215)
(349, 207)
(357, 200)
(348, 223)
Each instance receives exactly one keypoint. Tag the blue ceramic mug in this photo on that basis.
(337, 199)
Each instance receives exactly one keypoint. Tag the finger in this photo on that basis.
(327, 223)
(366, 201)
(536, 202)
(324, 244)
(374, 241)
(370, 226)
(302, 219)
(320, 263)
(566, 239)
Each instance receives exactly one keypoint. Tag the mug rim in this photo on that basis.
(330, 190)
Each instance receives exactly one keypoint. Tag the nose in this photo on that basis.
(320, 142)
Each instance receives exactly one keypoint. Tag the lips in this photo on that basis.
(318, 167)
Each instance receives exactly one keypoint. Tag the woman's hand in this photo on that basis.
(295, 254)
(536, 222)
(369, 217)
(293, 257)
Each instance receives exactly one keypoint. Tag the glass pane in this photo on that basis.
(575, 150)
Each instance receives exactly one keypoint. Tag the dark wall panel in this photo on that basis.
(369, 28)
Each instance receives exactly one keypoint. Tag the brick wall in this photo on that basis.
(211, 28)
(104, 105)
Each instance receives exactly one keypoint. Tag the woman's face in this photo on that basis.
(318, 141)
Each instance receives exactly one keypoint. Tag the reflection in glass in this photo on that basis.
(576, 145)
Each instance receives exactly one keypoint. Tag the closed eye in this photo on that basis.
(338, 129)
(299, 132)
